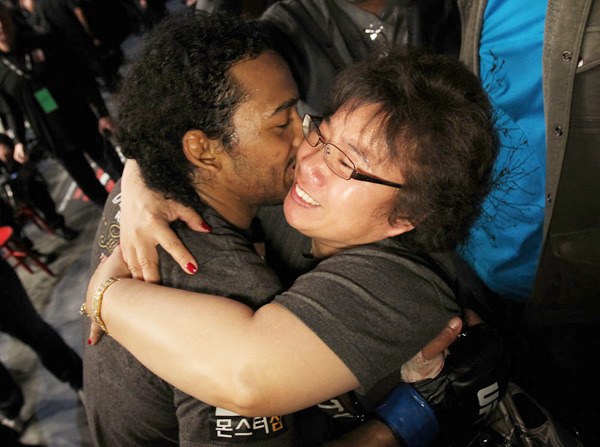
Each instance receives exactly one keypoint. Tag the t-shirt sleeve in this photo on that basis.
(373, 309)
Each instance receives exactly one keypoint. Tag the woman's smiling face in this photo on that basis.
(339, 213)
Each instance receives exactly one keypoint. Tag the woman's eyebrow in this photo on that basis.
(359, 152)
(346, 145)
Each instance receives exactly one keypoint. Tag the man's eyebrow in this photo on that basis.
(286, 105)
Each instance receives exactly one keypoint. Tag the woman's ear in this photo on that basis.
(399, 226)
(202, 151)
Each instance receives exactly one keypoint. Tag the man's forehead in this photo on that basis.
(244, 69)
(266, 83)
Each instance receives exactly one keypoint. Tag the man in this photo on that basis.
(230, 153)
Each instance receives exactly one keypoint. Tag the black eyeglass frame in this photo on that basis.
(355, 174)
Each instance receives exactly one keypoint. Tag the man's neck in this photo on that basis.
(231, 209)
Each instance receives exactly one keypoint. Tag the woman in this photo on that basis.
(394, 176)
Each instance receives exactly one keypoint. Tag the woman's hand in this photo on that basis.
(145, 218)
(429, 361)
(95, 334)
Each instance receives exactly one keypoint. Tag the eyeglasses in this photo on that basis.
(335, 159)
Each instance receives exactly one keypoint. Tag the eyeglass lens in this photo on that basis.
(335, 159)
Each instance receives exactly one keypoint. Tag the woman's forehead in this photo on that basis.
(362, 126)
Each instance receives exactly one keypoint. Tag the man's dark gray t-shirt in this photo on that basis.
(127, 405)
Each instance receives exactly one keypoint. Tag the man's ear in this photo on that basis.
(202, 151)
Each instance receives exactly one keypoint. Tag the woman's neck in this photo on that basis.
(321, 250)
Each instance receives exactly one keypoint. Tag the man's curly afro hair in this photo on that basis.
(181, 81)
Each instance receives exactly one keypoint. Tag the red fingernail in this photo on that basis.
(191, 267)
(89, 341)
(206, 226)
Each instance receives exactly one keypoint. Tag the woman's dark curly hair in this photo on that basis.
(181, 81)
(436, 123)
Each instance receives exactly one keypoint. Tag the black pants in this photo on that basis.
(102, 151)
(19, 319)
(29, 187)
(69, 138)
(7, 216)
(104, 154)
(83, 174)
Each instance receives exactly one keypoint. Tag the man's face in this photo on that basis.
(267, 130)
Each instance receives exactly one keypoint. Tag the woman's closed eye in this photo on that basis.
(346, 163)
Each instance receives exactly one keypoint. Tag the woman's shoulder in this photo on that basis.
(378, 273)
(390, 256)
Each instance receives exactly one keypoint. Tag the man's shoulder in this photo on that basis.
(228, 264)
(225, 241)
(108, 232)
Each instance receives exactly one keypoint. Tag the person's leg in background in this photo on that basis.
(11, 400)
(7, 217)
(19, 319)
(32, 189)
(102, 151)
(80, 170)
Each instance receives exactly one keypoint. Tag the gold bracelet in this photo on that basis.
(97, 301)
(83, 310)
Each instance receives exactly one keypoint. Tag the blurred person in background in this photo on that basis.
(29, 187)
(19, 319)
(61, 102)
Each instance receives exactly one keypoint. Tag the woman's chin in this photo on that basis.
(297, 216)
